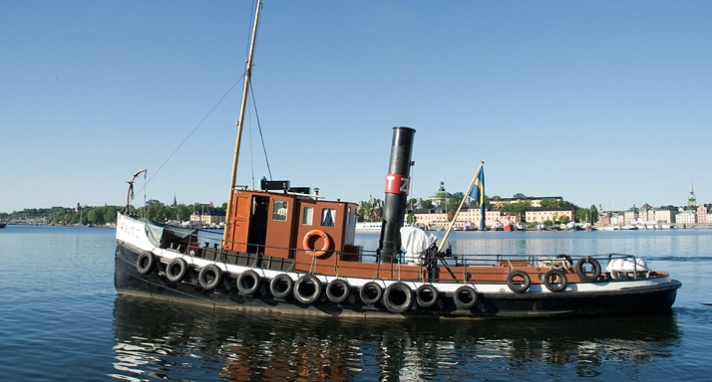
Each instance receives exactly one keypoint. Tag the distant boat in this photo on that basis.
(372, 226)
(651, 225)
(3, 224)
(369, 227)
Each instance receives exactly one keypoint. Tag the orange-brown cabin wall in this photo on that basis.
(288, 223)
(341, 233)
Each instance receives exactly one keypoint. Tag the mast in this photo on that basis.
(236, 155)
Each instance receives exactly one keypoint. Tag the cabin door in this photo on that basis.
(239, 222)
(258, 225)
(280, 227)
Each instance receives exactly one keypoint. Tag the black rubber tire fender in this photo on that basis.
(205, 274)
(364, 293)
(465, 297)
(248, 282)
(398, 297)
(278, 280)
(550, 280)
(423, 292)
(515, 287)
(176, 270)
(585, 277)
(145, 262)
(304, 286)
(337, 285)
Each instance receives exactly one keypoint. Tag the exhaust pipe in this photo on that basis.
(397, 189)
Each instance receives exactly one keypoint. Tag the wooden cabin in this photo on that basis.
(293, 226)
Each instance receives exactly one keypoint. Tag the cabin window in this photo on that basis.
(280, 211)
(328, 217)
(308, 216)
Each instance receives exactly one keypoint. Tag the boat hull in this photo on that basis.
(644, 299)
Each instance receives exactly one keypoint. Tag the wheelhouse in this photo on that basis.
(293, 226)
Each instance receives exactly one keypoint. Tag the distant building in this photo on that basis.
(704, 213)
(617, 219)
(440, 197)
(468, 218)
(665, 214)
(208, 217)
(541, 215)
(534, 201)
(631, 215)
(686, 217)
(604, 217)
(646, 213)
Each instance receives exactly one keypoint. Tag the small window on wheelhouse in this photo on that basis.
(280, 211)
(328, 217)
(308, 216)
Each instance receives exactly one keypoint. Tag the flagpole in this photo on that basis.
(452, 223)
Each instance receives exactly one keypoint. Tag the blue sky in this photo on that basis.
(600, 102)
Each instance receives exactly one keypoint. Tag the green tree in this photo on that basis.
(517, 208)
(427, 204)
(365, 210)
(110, 213)
(94, 216)
(410, 218)
(182, 213)
(582, 215)
(454, 200)
(550, 203)
(157, 211)
(593, 214)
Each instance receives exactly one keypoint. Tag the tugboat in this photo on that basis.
(290, 250)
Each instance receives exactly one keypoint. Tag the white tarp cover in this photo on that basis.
(415, 242)
(626, 265)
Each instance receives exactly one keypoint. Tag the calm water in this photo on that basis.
(60, 319)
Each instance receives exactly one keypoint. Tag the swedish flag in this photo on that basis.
(478, 193)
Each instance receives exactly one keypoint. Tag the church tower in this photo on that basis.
(691, 200)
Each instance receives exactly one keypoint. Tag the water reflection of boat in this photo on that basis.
(181, 343)
(288, 250)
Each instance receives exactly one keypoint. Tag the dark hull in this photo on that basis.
(638, 300)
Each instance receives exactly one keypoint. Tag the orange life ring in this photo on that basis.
(306, 243)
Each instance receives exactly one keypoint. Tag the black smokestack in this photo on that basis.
(397, 186)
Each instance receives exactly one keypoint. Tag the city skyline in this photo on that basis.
(212, 203)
